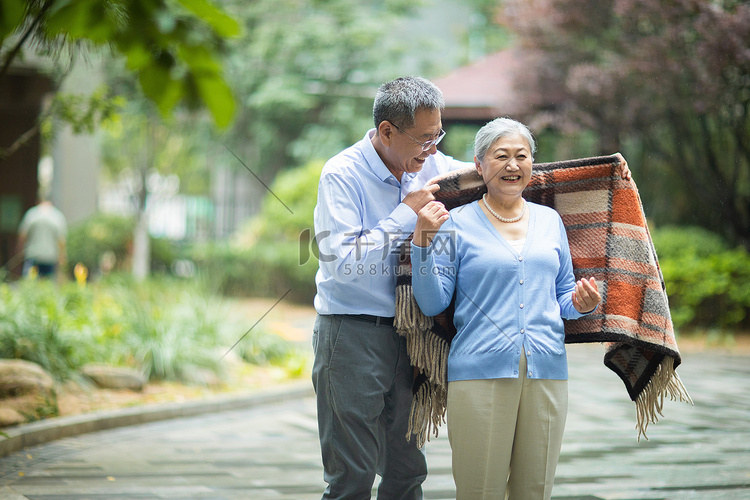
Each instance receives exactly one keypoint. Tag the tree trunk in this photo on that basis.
(141, 248)
(141, 243)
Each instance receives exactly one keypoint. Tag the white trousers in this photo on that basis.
(505, 436)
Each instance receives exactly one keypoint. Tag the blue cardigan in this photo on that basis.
(505, 301)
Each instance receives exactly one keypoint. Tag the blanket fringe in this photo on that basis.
(429, 352)
(650, 401)
(426, 350)
(427, 413)
(408, 315)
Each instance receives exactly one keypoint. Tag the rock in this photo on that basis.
(115, 377)
(18, 377)
(9, 416)
(204, 377)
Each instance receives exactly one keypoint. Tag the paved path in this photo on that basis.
(272, 453)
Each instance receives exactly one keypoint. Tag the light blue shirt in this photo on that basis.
(360, 224)
(506, 300)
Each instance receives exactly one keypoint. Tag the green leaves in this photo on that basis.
(210, 87)
(159, 86)
(173, 47)
(83, 19)
(84, 113)
(223, 24)
(11, 15)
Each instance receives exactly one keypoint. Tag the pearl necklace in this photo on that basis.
(503, 219)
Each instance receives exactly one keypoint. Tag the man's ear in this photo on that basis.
(386, 131)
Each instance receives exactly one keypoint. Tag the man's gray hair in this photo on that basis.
(399, 100)
(497, 128)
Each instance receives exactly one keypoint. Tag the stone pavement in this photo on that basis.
(271, 452)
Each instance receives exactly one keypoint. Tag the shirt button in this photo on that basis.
(520, 258)
(523, 330)
(530, 374)
(521, 305)
(528, 353)
(520, 281)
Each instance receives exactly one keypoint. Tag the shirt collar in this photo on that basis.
(374, 161)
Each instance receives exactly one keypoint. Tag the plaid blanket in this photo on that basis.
(609, 240)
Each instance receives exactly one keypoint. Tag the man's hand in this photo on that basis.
(624, 170)
(416, 200)
(586, 296)
(431, 217)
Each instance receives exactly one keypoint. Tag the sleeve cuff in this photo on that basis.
(405, 218)
(420, 254)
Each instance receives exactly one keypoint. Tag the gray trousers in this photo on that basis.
(363, 380)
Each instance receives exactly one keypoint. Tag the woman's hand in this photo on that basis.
(624, 170)
(586, 296)
(416, 200)
(429, 220)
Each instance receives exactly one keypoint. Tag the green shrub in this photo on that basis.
(672, 242)
(90, 239)
(264, 270)
(100, 234)
(288, 209)
(275, 252)
(707, 282)
(163, 253)
(169, 329)
(39, 324)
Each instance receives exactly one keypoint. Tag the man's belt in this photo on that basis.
(377, 320)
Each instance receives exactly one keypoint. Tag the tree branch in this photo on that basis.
(20, 141)
(17, 48)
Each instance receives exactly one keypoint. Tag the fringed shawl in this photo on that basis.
(609, 240)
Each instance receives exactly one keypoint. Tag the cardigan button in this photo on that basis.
(521, 305)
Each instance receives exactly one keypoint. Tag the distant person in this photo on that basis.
(41, 236)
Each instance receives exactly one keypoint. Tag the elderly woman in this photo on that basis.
(512, 275)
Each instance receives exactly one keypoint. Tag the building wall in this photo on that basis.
(21, 95)
(77, 157)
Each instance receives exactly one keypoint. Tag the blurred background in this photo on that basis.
(183, 140)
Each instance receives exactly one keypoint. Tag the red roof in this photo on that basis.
(484, 89)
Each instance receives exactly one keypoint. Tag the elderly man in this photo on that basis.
(368, 199)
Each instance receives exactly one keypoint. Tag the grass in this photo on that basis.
(168, 329)
(175, 332)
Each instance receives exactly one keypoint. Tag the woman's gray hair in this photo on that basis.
(399, 100)
(497, 128)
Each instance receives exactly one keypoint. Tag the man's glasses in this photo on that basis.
(427, 145)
